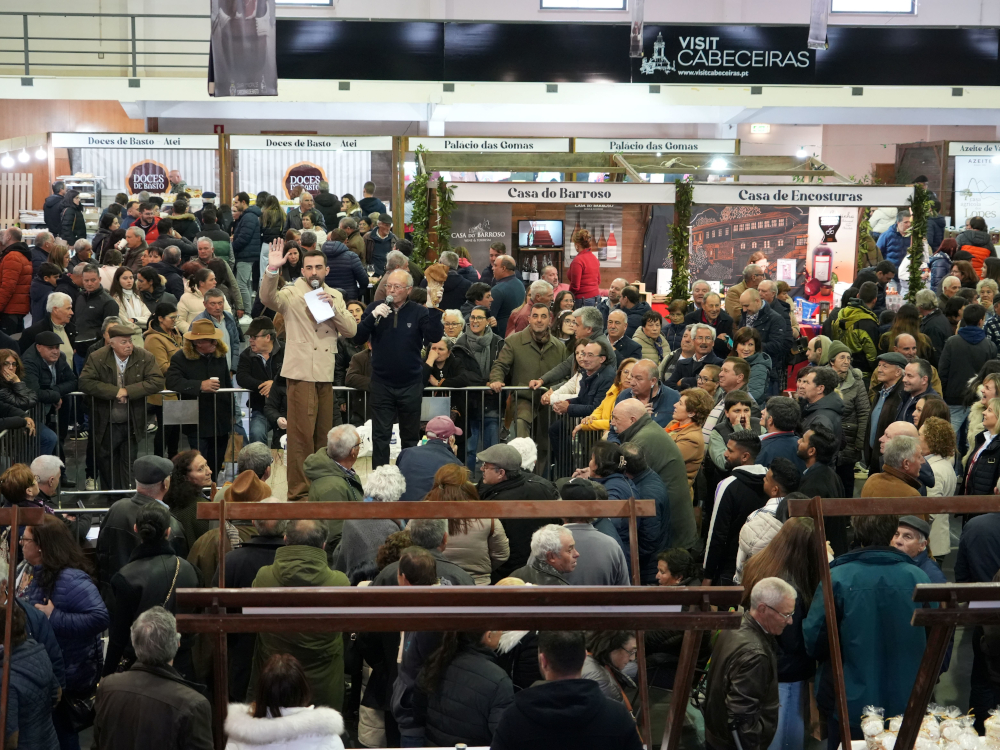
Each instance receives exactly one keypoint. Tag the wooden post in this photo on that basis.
(225, 171)
(221, 655)
(640, 641)
(923, 686)
(398, 185)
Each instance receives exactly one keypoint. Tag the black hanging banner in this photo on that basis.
(241, 55)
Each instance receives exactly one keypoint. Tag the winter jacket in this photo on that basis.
(38, 378)
(360, 541)
(978, 244)
(857, 327)
(983, 472)
(99, 378)
(186, 372)
(467, 270)
(473, 694)
(40, 291)
(685, 374)
(328, 205)
(940, 265)
(610, 684)
(420, 463)
(935, 232)
(305, 728)
(221, 245)
(321, 654)
(89, 312)
(78, 620)
(479, 550)
(760, 370)
(345, 273)
(937, 328)
(783, 444)
(873, 593)
(246, 236)
(173, 281)
(52, 212)
(634, 317)
(252, 372)
(731, 304)
(508, 294)
(856, 410)
(397, 340)
(775, 335)
(153, 708)
(520, 485)
(591, 392)
(648, 346)
(691, 443)
(894, 246)
(584, 276)
(758, 530)
(540, 573)
(117, 538)
(602, 561)
(979, 550)
(722, 324)
(377, 248)
(664, 458)
(620, 487)
(455, 287)
(736, 498)
(150, 579)
(883, 218)
(162, 346)
(742, 689)
(522, 360)
(828, 410)
(372, 205)
(448, 573)
(331, 482)
(72, 223)
(32, 694)
(15, 280)
(961, 359)
(186, 225)
(650, 487)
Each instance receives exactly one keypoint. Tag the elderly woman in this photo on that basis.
(453, 324)
(361, 538)
(654, 345)
(749, 346)
(609, 652)
(857, 409)
(987, 292)
(937, 443)
(690, 413)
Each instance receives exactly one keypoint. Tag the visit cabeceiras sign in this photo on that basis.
(147, 175)
(306, 175)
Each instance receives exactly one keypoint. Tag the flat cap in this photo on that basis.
(152, 469)
(894, 358)
(120, 330)
(501, 455)
(48, 338)
(916, 522)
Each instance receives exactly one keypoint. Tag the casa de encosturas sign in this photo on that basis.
(735, 194)
(134, 140)
(311, 142)
(562, 192)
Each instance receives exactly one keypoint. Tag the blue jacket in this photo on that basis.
(931, 568)
(508, 294)
(40, 291)
(246, 236)
(78, 620)
(783, 444)
(620, 487)
(935, 232)
(940, 265)
(627, 347)
(38, 628)
(873, 593)
(651, 487)
(635, 317)
(346, 273)
(397, 340)
(593, 389)
(894, 247)
(34, 692)
(420, 463)
(662, 403)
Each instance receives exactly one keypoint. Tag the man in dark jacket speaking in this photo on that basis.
(741, 711)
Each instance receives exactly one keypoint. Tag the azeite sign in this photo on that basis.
(960, 148)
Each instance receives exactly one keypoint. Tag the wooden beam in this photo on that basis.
(897, 506)
(620, 161)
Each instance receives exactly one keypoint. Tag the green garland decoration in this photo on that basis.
(421, 213)
(680, 237)
(445, 205)
(920, 208)
(864, 236)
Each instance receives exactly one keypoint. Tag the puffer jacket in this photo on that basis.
(760, 369)
(935, 232)
(758, 530)
(893, 245)
(72, 224)
(34, 692)
(857, 327)
(857, 409)
(328, 205)
(480, 550)
(15, 280)
(305, 728)
(39, 295)
(246, 236)
(978, 244)
(829, 410)
(346, 273)
(78, 620)
(981, 477)
(472, 696)
(940, 265)
(649, 346)
(744, 663)
(608, 683)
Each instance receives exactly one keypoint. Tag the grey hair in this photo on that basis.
(701, 281)
(549, 538)
(46, 467)
(255, 457)
(771, 592)
(539, 288)
(42, 237)
(899, 449)
(904, 214)
(155, 637)
(395, 259)
(57, 299)
(769, 283)
(79, 268)
(428, 533)
(137, 231)
(616, 311)
(341, 440)
(454, 313)
(528, 450)
(749, 271)
(386, 484)
(450, 259)
(713, 294)
(926, 299)
(308, 238)
(703, 325)
(406, 276)
(590, 317)
(987, 284)
(306, 532)
(691, 328)
(949, 280)
(81, 243)
(204, 239)
(111, 320)
(350, 222)
(214, 292)
(172, 255)
(271, 526)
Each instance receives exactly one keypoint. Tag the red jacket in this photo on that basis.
(153, 233)
(15, 280)
(584, 275)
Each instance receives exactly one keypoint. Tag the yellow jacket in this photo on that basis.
(602, 414)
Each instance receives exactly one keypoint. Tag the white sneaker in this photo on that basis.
(90, 484)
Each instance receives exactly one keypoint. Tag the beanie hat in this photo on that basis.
(835, 348)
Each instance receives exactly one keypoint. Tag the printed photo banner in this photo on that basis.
(562, 192)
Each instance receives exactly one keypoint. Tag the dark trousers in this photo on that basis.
(116, 451)
(833, 729)
(981, 694)
(387, 403)
(213, 448)
(11, 324)
(846, 474)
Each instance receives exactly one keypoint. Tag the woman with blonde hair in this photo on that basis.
(937, 443)
(690, 413)
(600, 419)
(988, 388)
(478, 546)
(983, 469)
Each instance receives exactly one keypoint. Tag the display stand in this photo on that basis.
(631, 509)
(12, 517)
(816, 509)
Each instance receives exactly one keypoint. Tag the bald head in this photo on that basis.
(906, 345)
(750, 301)
(630, 408)
(895, 429)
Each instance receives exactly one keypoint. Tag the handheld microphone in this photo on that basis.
(315, 283)
(388, 301)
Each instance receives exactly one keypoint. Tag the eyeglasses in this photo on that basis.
(395, 287)
(631, 651)
(25, 540)
(10, 363)
(703, 379)
(782, 614)
(477, 317)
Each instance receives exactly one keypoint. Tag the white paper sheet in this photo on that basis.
(321, 311)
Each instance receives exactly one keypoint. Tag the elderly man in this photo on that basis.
(83, 252)
(539, 292)
(625, 347)
(354, 239)
(40, 249)
(911, 537)
(613, 300)
(206, 254)
(551, 275)
(430, 534)
(604, 562)
(58, 319)
(331, 475)
(508, 292)
(685, 374)
(232, 334)
(420, 463)
(259, 366)
(656, 398)
(395, 260)
(50, 472)
(308, 369)
(306, 204)
(906, 345)
(901, 464)
(916, 385)
(379, 242)
(894, 242)
(152, 699)
(741, 709)
(398, 331)
(885, 398)
(775, 334)
(752, 276)
(933, 322)
(553, 554)
(119, 378)
(49, 376)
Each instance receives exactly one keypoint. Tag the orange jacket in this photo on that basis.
(15, 280)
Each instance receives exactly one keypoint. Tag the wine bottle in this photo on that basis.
(602, 246)
(612, 244)
(823, 264)
(533, 276)
(531, 234)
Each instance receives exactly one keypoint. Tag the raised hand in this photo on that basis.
(276, 254)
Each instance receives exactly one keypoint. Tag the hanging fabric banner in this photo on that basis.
(241, 57)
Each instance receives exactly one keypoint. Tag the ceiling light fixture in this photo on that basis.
(23, 157)
(802, 153)
(718, 164)
(7, 161)
(41, 153)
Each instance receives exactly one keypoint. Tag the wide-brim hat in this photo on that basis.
(247, 488)
(203, 329)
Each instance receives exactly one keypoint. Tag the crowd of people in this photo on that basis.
(557, 392)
